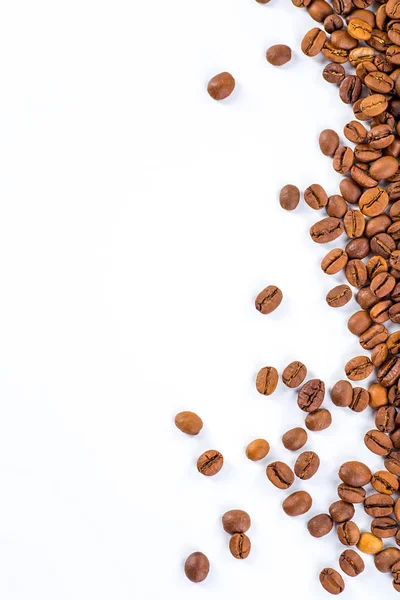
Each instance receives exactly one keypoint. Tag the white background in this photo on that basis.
(139, 220)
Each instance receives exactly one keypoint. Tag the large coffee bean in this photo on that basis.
(280, 475)
(378, 442)
(359, 323)
(377, 334)
(320, 525)
(385, 560)
(374, 201)
(334, 73)
(360, 399)
(313, 42)
(306, 465)
(351, 494)
(267, 380)
(339, 296)
(197, 567)
(240, 545)
(318, 420)
(354, 223)
(348, 533)
(379, 505)
(297, 504)
(289, 197)
(210, 463)
(188, 422)
(257, 449)
(334, 261)
(331, 581)
(341, 511)
(355, 473)
(236, 521)
(384, 527)
(356, 273)
(351, 563)
(315, 196)
(311, 395)
(269, 299)
(389, 372)
(328, 142)
(384, 482)
(358, 368)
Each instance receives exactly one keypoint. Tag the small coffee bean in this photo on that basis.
(197, 567)
(294, 374)
(188, 422)
(358, 248)
(295, 438)
(339, 296)
(306, 465)
(394, 260)
(358, 368)
(360, 399)
(236, 521)
(356, 273)
(333, 23)
(393, 342)
(377, 334)
(280, 475)
(221, 86)
(268, 300)
(343, 159)
(378, 442)
(374, 105)
(210, 463)
(385, 560)
(289, 197)
(351, 494)
(350, 191)
(341, 39)
(392, 463)
(395, 437)
(297, 504)
(320, 525)
(354, 223)
(311, 395)
(334, 73)
(374, 201)
(326, 230)
(351, 563)
(315, 196)
(318, 420)
(313, 42)
(377, 225)
(350, 90)
(379, 505)
(378, 395)
(355, 473)
(341, 511)
(328, 142)
(396, 572)
(355, 132)
(394, 313)
(380, 312)
(257, 449)
(319, 10)
(267, 380)
(385, 419)
(380, 136)
(369, 543)
(348, 533)
(240, 545)
(384, 482)
(366, 153)
(384, 527)
(389, 372)
(279, 55)
(360, 174)
(366, 299)
(384, 167)
(334, 261)
(331, 581)
(359, 322)
(336, 206)
(342, 393)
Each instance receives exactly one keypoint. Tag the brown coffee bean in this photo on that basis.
(361, 176)
(357, 248)
(320, 525)
(366, 153)
(343, 159)
(360, 55)
(395, 210)
(354, 223)
(392, 463)
(355, 473)
(269, 299)
(297, 504)
(315, 196)
(341, 39)
(341, 511)
(289, 197)
(380, 312)
(394, 194)
(188, 422)
(210, 463)
(279, 55)
(306, 465)
(267, 380)
(351, 563)
(236, 521)
(342, 393)
(350, 191)
(358, 323)
(334, 73)
(396, 571)
(369, 543)
(374, 201)
(355, 132)
(377, 225)
(385, 560)
(257, 449)
(393, 342)
(339, 296)
(384, 527)
(331, 581)
(313, 42)
(377, 334)
(328, 142)
(333, 23)
(393, 395)
(336, 206)
(348, 533)
(389, 372)
(358, 29)
(319, 10)
(384, 482)
(383, 168)
(379, 354)
(366, 299)
(351, 494)
(378, 442)
(295, 438)
(358, 368)
(378, 395)
(221, 86)
(376, 265)
(280, 475)
(383, 244)
(379, 82)
(197, 567)
(356, 273)
(318, 420)
(379, 505)
(394, 260)
(294, 374)
(382, 284)
(374, 105)
(240, 545)
(350, 89)
(311, 395)
(360, 399)
(380, 136)
(394, 313)
(334, 261)
(334, 54)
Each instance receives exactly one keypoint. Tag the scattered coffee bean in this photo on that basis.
(280, 54)
(315, 196)
(311, 395)
(369, 543)
(358, 368)
(351, 563)
(360, 399)
(379, 505)
(289, 197)
(188, 422)
(240, 545)
(355, 473)
(328, 142)
(295, 438)
(341, 511)
(320, 525)
(268, 300)
(318, 420)
(342, 391)
(236, 521)
(348, 533)
(378, 442)
(351, 494)
(384, 482)
(297, 504)
(334, 261)
(210, 463)
(307, 464)
(331, 581)
(221, 86)
(334, 73)
(326, 230)
(385, 419)
(197, 567)
(280, 475)
(359, 322)
(294, 374)
(257, 449)
(384, 527)
(267, 380)
(339, 296)
(385, 560)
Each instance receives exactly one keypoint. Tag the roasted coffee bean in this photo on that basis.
(197, 567)
(356, 273)
(395, 211)
(358, 29)
(348, 533)
(379, 505)
(334, 54)
(393, 342)
(379, 82)
(378, 442)
(383, 245)
(280, 475)
(331, 581)
(306, 465)
(380, 312)
(393, 31)
(318, 420)
(336, 206)
(395, 295)
(339, 296)
(289, 197)
(357, 324)
(392, 463)
(393, 54)
(384, 482)
(351, 563)
(341, 511)
(319, 10)
(320, 525)
(355, 132)
(394, 313)
(257, 449)
(384, 119)
(341, 39)
(328, 142)
(315, 196)
(373, 105)
(366, 299)
(311, 395)
(379, 40)
(385, 560)
(313, 42)
(394, 194)
(361, 176)
(269, 299)
(333, 23)
(358, 368)
(377, 225)
(380, 136)
(221, 86)
(379, 354)
(294, 374)
(267, 380)
(334, 73)
(350, 191)
(240, 545)
(394, 260)
(384, 527)
(334, 261)
(326, 230)
(342, 393)
(188, 422)
(360, 55)
(396, 571)
(374, 201)
(279, 55)
(297, 504)
(210, 463)
(236, 521)
(389, 372)
(366, 153)
(355, 473)
(343, 159)
(350, 90)
(357, 248)
(376, 265)
(394, 395)
(360, 399)
(384, 167)
(394, 148)
(369, 543)
(351, 494)
(295, 438)
(378, 395)
(395, 437)
(382, 284)
(354, 223)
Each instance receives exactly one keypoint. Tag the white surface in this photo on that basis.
(139, 219)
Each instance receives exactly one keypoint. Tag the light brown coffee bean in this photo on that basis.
(358, 368)
(280, 475)
(210, 463)
(374, 201)
(328, 142)
(279, 55)
(294, 374)
(257, 449)
(318, 420)
(188, 422)
(236, 521)
(342, 393)
(221, 86)
(289, 197)
(339, 296)
(320, 525)
(313, 42)
(295, 438)
(267, 380)
(315, 196)
(268, 300)
(306, 465)
(359, 322)
(334, 261)
(297, 504)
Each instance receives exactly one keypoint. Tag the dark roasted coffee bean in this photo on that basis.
(297, 504)
(383, 245)
(342, 7)
(334, 73)
(385, 560)
(343, 159)
(326, 230)
(355, 132)
(306, 465)
(280, 475)
(350, 90)
(379, 40)
(358, 368)
(393, 342)
(351, 563)
(331, 581)
(366, 299)
(374, 201)
(348, 533)
(313, 42)
(267, 380)
(188, 422)
(357, 248)
(336, 206)
(382, 284)
(380, 312)
(240, 545)
(354, 223)
(333, 23)
(389, 372)
(360, 399)
(328, 142)
(384, 482)
(295, 438)
(257, 449)
(350, 191)
(318, 420)
(210, 463)
(334, 261)
(356, 273)
(358, 323)
(379, 354)
(294, 374)
(289, 197)
(311, 395)
(236, 521)
(392, 463)
(384, 527)
(378, 442)
(269, 299)
(379, 505)
(197, 567)
(339, 296)
(377, 225)
(315, 196)
(341, 511)
(221, 86)
(279, 55)
(320, 525)
(355, 473)
(351, 494)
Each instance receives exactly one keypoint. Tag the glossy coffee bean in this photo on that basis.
(280, 475)
(384, 482)
(358, 368)
(328, 142)
(366, 299)
(351, 563)
(384, 527)
(379, 505)
(315, 196)
(359, 323)
(385, 560)
(188, 422)
(257, 449)
(294, 374)
(236, 521)
(221, 86)
(393, 342)
(379, 354)
(384, 167)
(350, 89)
(268, 300)
(297, 504)
(306, 465)
(343, 159)
(210, 463)
(341, 511)
(311, 395)
(320, 525)
(359, 29)
(289, 197)
(377, 225)
(313, 42)
(355, 132)
(354, 223)
(240, 545)
(376, 334)
(378, 442)
(279, 55)
(267, 380)
(333, 23)
(197, 567)
(295, 438)
(334, 261)
(331, 581)
(348, 533)
(339, 296)
(334, 73)
(355, 473)
(374, 201)
(380, 136)
(383, 244)
(380, 312)
(351, 494)
(356, 273)
(374, 105)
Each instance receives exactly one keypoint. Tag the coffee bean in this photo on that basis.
(358, 29)
(267, 380)
(383, 168)
(366, 153)
(355, 132)
(384, 527)
(354, 223)
(319, 10)
(385, 560)
(393, 395)
(240, 545)
(306, 465)
(318, 420)
(369, 543)
(377, 334)
(360, 399)
(379, 82)
(379, 505)
(359, 322)
(343, 159)
(289, 197)
(384, 482)
(236, 521)
(336, 206)
(326, 230)
(188, 422)
(389, 372)
(360, 174)
(394, 313)
(380, 136)
(197, 567)
(331, 581)
(342, 393)
(268, 300)
(395, 210)
(348, 533)
(294, 374)
(341, 511)
(380, 313)
(313, 42)
(351, 563)
(378, 395)
(366, 299)
(297, 504)
(333, 23)
(374, 105)
(358, 368)
(334, 73)
(394, 260)
(341, 39)
(396, 572)
(334, 261)
(350, 90)
(357, 248)
(350, 191)
(393, 342)
(315, 196)
(339, 296)
(221, 86)
(355, 473)
(395, 437)
(374, 201)
(311, 395)
(377, 225)
(320, 525)
(378, 442)
(328, 142)
(280, 475)
(210, 463)
(295, 438)
(356, 273)
(392, 463)
(279, 55)
(257, 449)
(357, 56)
(385, 419)
(351, 494)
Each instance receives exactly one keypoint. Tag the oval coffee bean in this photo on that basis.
(188, 422)
(378, 442)
(394, 313)
(358, 248)
(236, 521)
(360, 399)
(311, 395)
(351, 563)
(384, 167)
(348, 533)
(334, 261)
(358, 368)
(318, 420)
(289, 197)
(197, 567)
(392, 463)
(334, 54)
(326, 230)
(295, 438)
(320, 525)
(328, 142)
(297, 504)
(306, 465)
(331, 581)
(210, 463)
(358, 29)
(294, 374)
(385, 419)
(356, 273)
(315, 196)
(383, 245)
(355, 473)
(389, 372)
(385, 560)
(393, 342)
(384, 483)
(351, 494)
(380, 312)
(343, 159)
(267, 380)
(279, 55)
(354, 223)
(377, 334)
(379, 82)
(240, 545)
(350, 191)
(268, 300)
(280, 475)
(221, 86)
(341, 39)
(334, 73)
(336, 206)
(380, 136)
(313, 42)
(379, 505)
(378, 395)
(257, 449)
(342, 393)
(366, 153)
(350, 89)
(366, 298)
(333, 23)
(396, 571)
(384, 527)
(374, 105)
(339, 296)
(341, 511)
(369, 543)
(355, 132)
(374, 201)
(359, 322)
(377, 225)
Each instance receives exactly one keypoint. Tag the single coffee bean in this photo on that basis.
(376, 265)
(389, 372)
(360, 55)
(356, 273)
(334, 261)
(358, 323)
(360, 399)
(188, 422)
(380, 312)
(396, 573)
(331, 581)
(395, 437)
(306, 465)
(289, 197)
(366, 153)
(341, 511)
(236, 521)
(393, 342)
(350, 89)
(334, 54)
(355, 473)
(210, 463)
(336, 206)
(354, 223)
(374, 201)
(358, 248)
(360, 30)
(197, 567)
(311, 395)
(319, 10)
(315, 196)
(393, 395)
(313, 42)
(394, 260)
(351, 494)
(395, 209)
(378, 395)
(366, 299)
(320, 525)
(334, 73)
(394, 313)
(333, 23)
(279, 55)
(385, 560)
(369, 543)
(392, 463)
(384, 482)
(339, 296)
(378, 442)
(380, 136)
(355, 132)
(394, 230)
(385, 419)
(348, 533)
(280, 475)
(384, 527)
(240, 545)
(318, 420)
(377, 225)
(379, 505)
(343, 159)
(379, 82)
(295, 438)
(383, 245)
(297, 504)
(294, 374)
(384, 167)
(268, 300)
(267, 380)
(358, 368)
(328, 142)
(342, 393)
(396, 509)
(350, 191)
(377, 334)
(341, 39)
(374, 105)
(351, 563)
(221, 86)
(360, 173)
(395, 295)
(257, 449)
